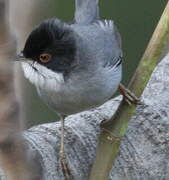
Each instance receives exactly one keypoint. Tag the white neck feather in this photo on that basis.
(42, 77)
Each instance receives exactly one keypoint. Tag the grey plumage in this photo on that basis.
(96, 71)
(87, 11)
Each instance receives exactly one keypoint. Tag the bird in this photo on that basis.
(75, 66)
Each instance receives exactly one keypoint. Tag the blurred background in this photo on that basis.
(136, 21)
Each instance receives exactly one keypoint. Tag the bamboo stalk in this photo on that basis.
(119, 122)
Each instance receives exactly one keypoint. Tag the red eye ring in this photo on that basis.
(45, 57)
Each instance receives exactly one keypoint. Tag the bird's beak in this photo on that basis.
(20, 57)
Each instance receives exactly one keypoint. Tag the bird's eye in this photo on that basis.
(45, 57)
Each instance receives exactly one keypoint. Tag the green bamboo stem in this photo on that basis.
(108, 149)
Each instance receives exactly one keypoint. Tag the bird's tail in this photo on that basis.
(86, 11)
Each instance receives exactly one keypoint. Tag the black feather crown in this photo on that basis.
(53, 37)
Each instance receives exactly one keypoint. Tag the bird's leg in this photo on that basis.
(62, 156)
(128, 96)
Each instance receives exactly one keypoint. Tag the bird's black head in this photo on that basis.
(51, 44)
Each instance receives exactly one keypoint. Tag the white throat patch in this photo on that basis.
(41, 76)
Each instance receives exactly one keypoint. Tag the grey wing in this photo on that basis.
(114, 62)
(113, 46)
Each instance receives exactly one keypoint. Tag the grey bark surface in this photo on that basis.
(143, 155)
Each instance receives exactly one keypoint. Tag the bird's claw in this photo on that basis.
(64, 166)
(128, 96)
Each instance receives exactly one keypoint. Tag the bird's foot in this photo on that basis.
(128, 96)
(64, 166)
